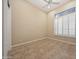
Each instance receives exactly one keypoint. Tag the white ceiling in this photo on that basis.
(43, 5)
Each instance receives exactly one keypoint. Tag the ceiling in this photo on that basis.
(41, 4)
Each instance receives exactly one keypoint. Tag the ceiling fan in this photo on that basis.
(51, 2)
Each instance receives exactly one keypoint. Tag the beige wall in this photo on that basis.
(28, 22)
(51, 19)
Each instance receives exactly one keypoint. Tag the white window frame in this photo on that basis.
(59, 17)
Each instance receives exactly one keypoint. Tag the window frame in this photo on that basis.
(61, 14)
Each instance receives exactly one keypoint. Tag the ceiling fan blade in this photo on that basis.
(55, 3)
(45, 5)
(51, 2)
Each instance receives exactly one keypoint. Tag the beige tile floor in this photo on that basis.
(44, 49)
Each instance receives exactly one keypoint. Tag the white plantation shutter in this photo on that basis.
(65, 23)
(60, 26)
(72, 25)
(55, 26)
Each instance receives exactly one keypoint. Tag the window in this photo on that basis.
(65, 23)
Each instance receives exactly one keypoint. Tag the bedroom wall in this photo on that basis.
(28, 22)
(51, 21)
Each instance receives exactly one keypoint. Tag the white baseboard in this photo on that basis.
(29, 42)
(43, 39)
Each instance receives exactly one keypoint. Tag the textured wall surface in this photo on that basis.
(28, 22)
